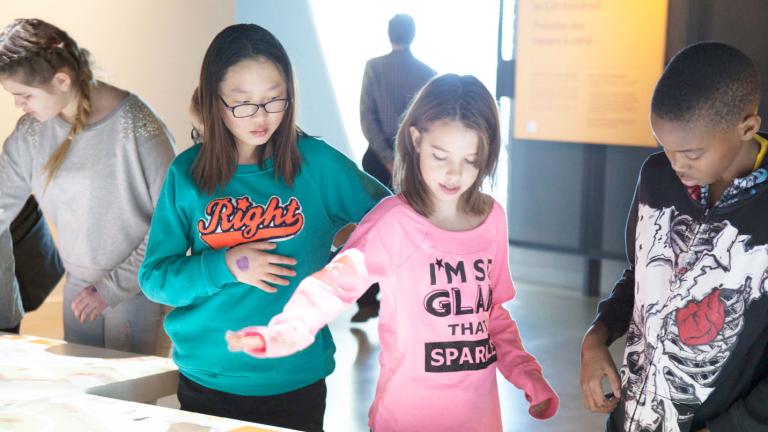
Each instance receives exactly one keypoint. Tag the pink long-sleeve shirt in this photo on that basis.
(442, 327)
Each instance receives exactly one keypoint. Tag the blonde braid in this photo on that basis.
(84, 85)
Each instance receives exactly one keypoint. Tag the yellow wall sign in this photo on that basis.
(586, 69)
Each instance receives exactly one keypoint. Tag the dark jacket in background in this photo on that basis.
(38, 265)
(389, 84)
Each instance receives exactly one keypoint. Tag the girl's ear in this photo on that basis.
(415, 137)
(61, 81)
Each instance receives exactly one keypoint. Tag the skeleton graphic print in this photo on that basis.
(693, 284)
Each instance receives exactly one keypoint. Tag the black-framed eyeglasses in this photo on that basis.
(248, 109)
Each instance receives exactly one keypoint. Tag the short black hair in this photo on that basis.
(708, 82)
(402, 29)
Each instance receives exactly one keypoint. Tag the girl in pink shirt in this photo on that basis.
(438, 249)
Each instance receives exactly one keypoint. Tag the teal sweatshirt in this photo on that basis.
(328, 193)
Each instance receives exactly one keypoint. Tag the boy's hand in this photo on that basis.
(597, 364)
(251, 265)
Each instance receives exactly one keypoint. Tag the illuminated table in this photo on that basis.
(89, 413)
(33, 367)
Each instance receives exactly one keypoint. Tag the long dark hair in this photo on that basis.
(216, 163)
(32, 51)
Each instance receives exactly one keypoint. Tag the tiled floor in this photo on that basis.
(551, 324)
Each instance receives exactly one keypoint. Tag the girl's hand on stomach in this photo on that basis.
(251, 265)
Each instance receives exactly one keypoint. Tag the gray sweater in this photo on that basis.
(101, 199)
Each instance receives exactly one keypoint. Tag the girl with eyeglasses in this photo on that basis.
(94, 156)
(257, 205)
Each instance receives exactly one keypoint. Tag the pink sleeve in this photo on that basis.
(503, 287)
(319, 298)
(515, 363)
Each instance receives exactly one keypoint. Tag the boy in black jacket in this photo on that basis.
(694, 300)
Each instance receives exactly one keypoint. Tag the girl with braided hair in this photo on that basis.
(94, 156)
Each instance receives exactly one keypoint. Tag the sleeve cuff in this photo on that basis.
(538, 391)
(111, 295)
(613, 334)
(215, 266)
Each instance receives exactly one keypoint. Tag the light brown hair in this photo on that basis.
(32, 51)
(450, 97)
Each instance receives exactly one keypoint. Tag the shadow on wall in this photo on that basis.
(291, 22)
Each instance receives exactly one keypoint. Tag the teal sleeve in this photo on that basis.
(348, 192)
(168, 275)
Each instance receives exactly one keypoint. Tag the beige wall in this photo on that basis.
(149, 47)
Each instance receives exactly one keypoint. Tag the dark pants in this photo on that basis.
(373, 166)
(301, 409)
(14, 330)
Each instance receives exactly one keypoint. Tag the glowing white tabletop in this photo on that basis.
(88, 413)
(33, 367)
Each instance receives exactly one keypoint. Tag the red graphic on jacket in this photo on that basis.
(234, 221)
(700, 322)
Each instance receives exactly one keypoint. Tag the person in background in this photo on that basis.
(389, 84)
